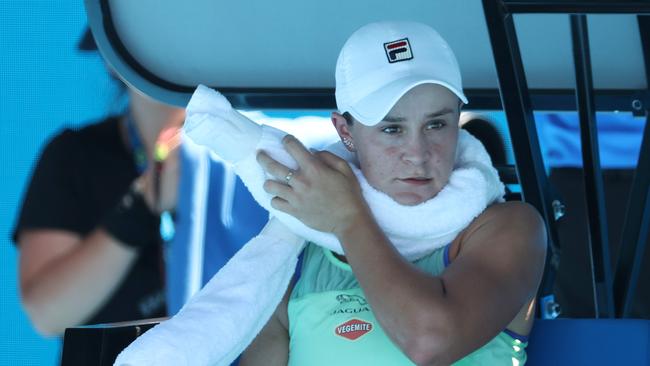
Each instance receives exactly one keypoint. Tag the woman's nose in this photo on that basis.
(417, 151)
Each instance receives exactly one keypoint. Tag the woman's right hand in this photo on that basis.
(323, 192)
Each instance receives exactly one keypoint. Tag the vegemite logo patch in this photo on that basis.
(353, 329)
(399, 50)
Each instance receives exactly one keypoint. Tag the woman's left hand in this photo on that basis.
(323, 192)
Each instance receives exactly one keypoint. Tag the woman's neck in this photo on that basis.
(151, 117)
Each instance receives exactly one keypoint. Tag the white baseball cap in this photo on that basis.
(382, 61)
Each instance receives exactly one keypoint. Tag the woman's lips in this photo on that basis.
(417, 181)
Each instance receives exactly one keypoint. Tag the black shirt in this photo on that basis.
(80, 176)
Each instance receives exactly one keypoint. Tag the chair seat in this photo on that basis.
(100, 344)
(589, 342)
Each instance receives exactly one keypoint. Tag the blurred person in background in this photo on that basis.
(88, 229)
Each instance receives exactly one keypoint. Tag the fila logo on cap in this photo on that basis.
(399, 50)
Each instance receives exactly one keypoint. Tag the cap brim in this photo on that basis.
(375, 106)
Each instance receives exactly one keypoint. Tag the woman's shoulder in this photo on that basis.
(71, 138)
(513, 222)
(103, 131)
(511, 213)
(59, 151)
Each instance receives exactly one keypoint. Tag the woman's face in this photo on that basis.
(410, 154)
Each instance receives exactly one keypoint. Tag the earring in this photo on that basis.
(348, 143)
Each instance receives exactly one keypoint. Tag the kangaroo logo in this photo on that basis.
(344, 298)
(399, 50)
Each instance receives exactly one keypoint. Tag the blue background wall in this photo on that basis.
(45, 84)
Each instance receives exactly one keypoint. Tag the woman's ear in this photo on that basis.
(343, 129)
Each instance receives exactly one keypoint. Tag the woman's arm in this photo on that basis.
(64, 279)
(434, 320)
(438, 320)
(271, 346)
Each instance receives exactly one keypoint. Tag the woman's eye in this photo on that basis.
(391, 130)
(436, 125)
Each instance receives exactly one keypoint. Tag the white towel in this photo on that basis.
(414, 230)
(225, 316)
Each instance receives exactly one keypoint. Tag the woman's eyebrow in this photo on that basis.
(393, 119)
(440, 112)
(397, 119)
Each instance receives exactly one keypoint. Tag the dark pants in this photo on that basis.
(573, 287)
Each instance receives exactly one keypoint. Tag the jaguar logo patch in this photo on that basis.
(345, 298)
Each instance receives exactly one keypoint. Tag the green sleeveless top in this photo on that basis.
(330, 322)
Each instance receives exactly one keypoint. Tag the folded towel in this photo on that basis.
(226, 315)
(228, 307)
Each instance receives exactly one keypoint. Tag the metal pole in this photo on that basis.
(517, 106)
(635, 231)
(578, 7)
(637, 215)
(593, 179)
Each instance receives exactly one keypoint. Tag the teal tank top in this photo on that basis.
(331, 323)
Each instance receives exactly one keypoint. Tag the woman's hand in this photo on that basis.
(323, 193)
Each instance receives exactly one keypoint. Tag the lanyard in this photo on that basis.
(139, 151)
(141, 164)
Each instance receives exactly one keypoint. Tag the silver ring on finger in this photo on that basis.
(288, 177)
